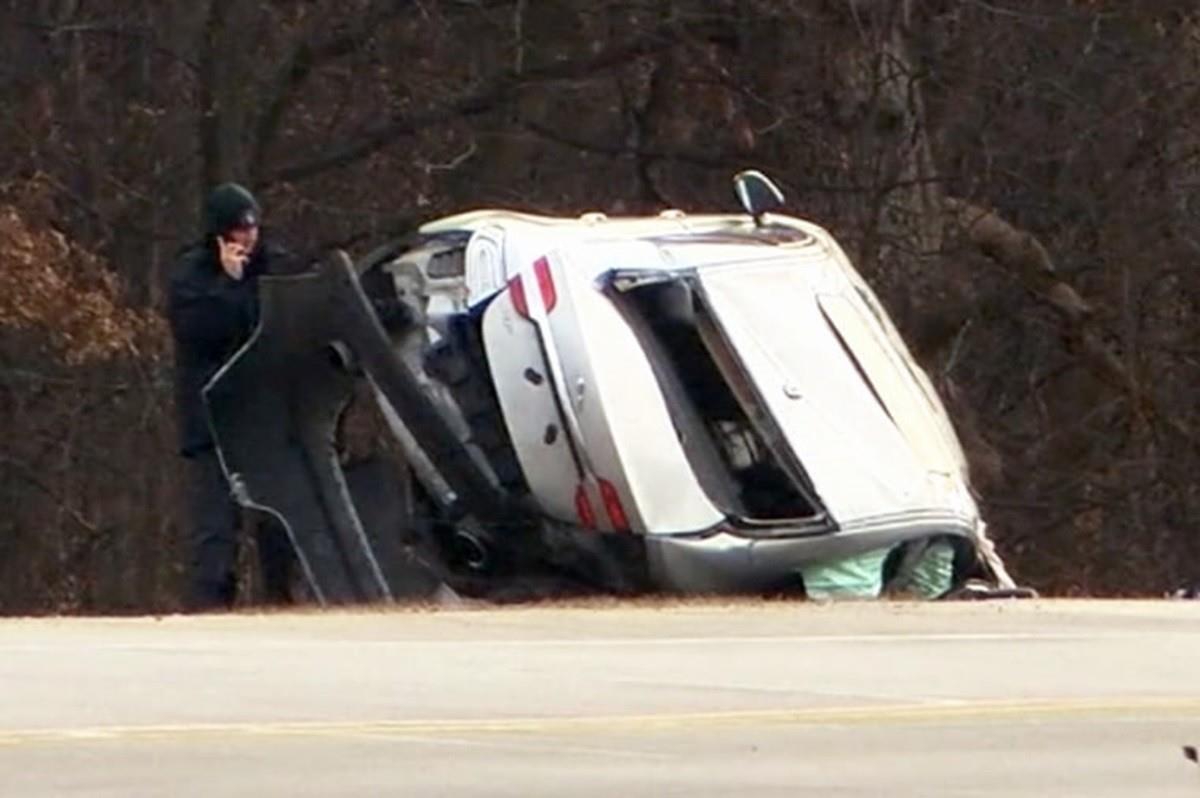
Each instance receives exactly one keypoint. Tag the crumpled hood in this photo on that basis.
(843, 396)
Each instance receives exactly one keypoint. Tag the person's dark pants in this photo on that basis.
(215, 519)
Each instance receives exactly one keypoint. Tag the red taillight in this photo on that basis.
(583, 508)
(516, 290)
(612, 506)
(545, 280)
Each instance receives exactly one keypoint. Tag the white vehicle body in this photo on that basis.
(729, 390)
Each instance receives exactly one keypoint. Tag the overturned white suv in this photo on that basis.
(704, 403)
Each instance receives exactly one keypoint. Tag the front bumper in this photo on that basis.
(725, 560)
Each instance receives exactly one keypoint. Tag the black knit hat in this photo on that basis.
(229, 206)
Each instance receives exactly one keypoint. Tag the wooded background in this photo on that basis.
(1017, 179)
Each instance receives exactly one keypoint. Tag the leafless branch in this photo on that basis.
(492, 95)
(1026, 258)
(118, 31)
(30, 477)
(308, 52)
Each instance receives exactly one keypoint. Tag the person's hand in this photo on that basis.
(233, 257)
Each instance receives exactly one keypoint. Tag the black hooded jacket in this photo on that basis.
(211, 316)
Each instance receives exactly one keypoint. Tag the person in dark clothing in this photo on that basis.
(213, 309)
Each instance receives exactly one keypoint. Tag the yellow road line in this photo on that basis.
(867, 715)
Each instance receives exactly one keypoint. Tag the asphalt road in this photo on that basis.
(695, 699)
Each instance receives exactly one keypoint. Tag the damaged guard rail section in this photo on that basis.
(273, 409)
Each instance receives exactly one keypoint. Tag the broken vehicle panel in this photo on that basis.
(697, 403)
(273, 408)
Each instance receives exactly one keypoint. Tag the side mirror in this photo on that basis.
(757, 193)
